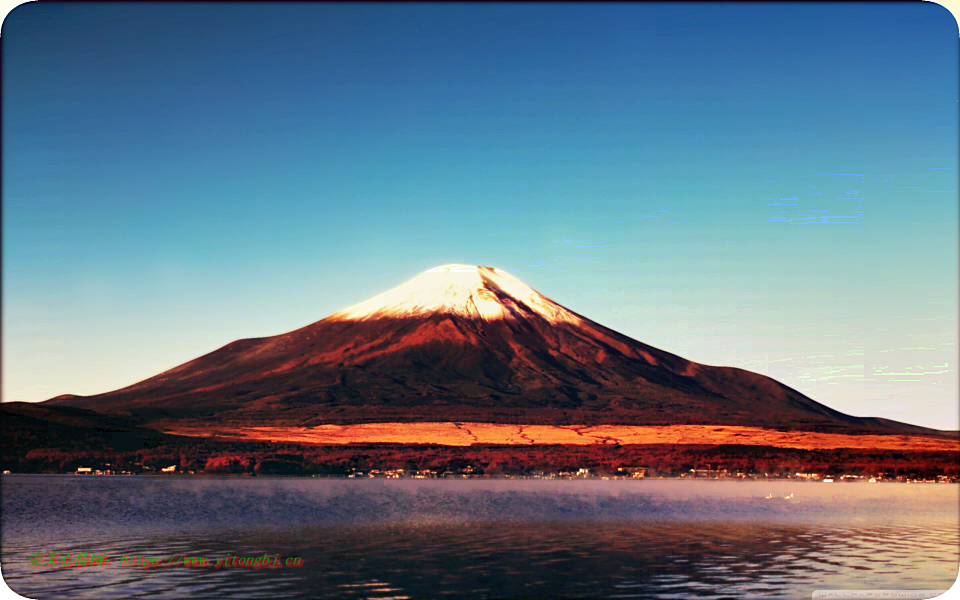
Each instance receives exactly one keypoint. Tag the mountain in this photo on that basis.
(465, 343)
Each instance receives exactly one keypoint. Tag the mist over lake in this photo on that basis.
(480, 538)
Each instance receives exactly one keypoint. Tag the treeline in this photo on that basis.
(39, 438)
(223, 457)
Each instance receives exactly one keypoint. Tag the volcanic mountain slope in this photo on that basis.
(465, 343)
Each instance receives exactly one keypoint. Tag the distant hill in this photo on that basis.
(29, 425)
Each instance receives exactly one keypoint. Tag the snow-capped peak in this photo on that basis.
(465, 290)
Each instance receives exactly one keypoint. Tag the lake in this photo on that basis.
(407, 539)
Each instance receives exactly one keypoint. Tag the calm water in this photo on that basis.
(480, 539)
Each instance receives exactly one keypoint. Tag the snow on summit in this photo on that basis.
(465, 290)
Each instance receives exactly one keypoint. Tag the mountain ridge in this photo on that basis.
(461, 343)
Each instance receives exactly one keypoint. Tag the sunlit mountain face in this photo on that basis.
(464, 343)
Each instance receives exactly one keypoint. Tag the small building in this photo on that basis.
(632, 472)
(710, 473)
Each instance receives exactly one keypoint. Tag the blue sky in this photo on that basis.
(768, 186)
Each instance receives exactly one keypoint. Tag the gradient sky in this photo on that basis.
(767, 186)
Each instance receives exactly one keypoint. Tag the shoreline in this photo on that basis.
(754, 479)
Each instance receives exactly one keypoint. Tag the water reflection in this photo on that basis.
(481, 539)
